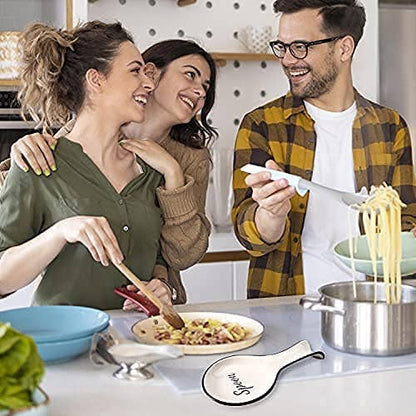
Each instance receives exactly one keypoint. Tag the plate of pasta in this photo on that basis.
(204, 332)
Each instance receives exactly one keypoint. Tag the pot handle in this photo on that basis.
(315, 304)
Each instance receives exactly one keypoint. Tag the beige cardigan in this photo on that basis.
(186, 229)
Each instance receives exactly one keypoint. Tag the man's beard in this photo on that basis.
(319, 84)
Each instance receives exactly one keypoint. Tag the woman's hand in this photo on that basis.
(157, 287)
(94, 233)
(159, 159)
(414, 231)
(36, 149)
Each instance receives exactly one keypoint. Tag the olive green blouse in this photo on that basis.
(30, 204)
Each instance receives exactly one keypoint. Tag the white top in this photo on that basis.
(326, 220)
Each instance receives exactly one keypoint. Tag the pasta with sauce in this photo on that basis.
(201, 332)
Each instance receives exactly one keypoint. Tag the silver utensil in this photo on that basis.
(132, 358)
(100, 355)
(303, 185)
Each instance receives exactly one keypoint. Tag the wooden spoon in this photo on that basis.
(167, 311)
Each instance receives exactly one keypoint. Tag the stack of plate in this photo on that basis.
(60, 332)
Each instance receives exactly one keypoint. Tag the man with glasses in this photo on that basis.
(322, 130)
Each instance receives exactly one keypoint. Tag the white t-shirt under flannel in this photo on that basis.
(326, 220)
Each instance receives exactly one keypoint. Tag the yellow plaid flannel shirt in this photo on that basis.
(283, 130)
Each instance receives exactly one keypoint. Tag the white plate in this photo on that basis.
(144, 332)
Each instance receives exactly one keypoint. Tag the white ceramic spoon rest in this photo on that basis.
(244, 379)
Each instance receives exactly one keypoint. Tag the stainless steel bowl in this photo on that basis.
(360, 326)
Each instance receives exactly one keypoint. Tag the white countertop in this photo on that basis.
(79, 388)
(223, 241)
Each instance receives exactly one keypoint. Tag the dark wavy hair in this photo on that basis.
(193, 134)
(339, 17)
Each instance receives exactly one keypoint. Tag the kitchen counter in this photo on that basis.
(80, 388)
(223, 241)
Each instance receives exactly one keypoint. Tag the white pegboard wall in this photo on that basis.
(242, 85)
(212, 24)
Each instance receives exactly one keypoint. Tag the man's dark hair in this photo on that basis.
(339, 17)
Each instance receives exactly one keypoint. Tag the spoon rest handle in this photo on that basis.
(293, 354)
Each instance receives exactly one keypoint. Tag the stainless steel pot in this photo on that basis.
(360, 326)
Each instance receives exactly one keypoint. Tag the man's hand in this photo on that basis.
(273, 199)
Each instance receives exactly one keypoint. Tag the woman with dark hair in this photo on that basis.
(100, 205)
(173, 142)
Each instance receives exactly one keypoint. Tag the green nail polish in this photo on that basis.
(47, 172)
(53, 146)
(26, 170)
(38, 172)
(53, 167)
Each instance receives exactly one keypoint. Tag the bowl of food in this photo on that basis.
(362, 260)
(21, 371)
(204, 332)
(38, 407)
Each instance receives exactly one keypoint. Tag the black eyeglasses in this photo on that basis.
(299, 48)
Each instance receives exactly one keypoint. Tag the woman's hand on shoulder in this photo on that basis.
(36, 150)
(158, 158)
(95, 234)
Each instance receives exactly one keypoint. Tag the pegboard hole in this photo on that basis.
(236, 5)
(208, 34)
(181, 33)
(208, 4)
(263, 64)
(236, 122)
(263, 7)
(263, 93)
(236, 64)
(152, 2)
(152, 32)
(236, 93)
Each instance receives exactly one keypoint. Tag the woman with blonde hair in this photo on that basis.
(172, 141)
(99, 207)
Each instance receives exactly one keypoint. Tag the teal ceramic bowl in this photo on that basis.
(39, 408)
(56, 322)
(362, 259)
(60, 351)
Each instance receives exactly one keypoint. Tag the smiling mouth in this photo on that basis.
(296, 74)
(140, 99)
(187, 101)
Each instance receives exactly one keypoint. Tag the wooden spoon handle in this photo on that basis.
(137, 282)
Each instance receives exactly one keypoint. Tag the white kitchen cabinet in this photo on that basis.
(210, 282)
(240, 273)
